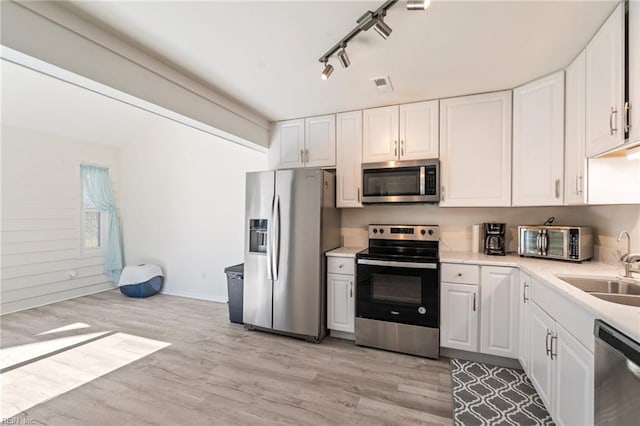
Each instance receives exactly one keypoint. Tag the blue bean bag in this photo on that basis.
(141, 280)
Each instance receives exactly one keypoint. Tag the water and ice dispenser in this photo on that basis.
(258, 235)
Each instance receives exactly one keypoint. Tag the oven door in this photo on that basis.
(401, 292)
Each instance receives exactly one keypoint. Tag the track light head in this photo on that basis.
(344, 58)
(381, 28)
(326, 72)
(418, 4)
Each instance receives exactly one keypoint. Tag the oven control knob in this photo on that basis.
(422, 310)
(375, 231)
(381, 231)
(423, 232)
(430, 231)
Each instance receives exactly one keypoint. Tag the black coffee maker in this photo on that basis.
(494, 241)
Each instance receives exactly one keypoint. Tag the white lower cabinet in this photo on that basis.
(479, 311)
(561, 369)
(459, 316)
(341, 294)
(499, 311)
(523, 313)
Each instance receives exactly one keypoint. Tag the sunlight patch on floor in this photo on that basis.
(74, 326)
(37, 382)
(18, 354)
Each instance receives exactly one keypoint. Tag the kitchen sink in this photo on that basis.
(609, 289)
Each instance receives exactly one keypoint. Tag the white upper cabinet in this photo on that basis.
(475, 150)
(634, 71)
(308, 142)
(380, 132)
(405, 132)
(288, 144)
(349, 159)
(575, 162)
(605, 85)
(538, 142)
(419, 131)
(320, 141)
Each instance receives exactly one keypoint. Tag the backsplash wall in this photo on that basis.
(455, 223)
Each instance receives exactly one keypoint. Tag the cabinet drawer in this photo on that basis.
(461, 274)
(341, 265)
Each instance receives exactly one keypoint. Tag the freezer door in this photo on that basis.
(258, 286)
(297, 289)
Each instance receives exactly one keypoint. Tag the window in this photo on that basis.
(92, 223)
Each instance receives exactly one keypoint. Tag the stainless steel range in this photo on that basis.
(398, 291)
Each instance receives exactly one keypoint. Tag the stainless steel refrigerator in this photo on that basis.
(291, 221)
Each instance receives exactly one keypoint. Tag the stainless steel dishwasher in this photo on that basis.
(617, 377)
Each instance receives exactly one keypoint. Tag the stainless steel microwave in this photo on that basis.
(573, 243)
(401, 182)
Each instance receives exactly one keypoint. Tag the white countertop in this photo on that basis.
(345, 251)
(624, 318)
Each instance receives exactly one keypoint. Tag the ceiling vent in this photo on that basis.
(382, 84)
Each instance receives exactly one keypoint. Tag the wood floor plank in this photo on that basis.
(216, 372)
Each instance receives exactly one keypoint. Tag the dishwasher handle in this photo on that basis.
(618, 341)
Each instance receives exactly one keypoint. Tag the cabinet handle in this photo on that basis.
(395, 148)
(459, 274)
(474, 302)
(557, 188)
(306, 155)
(442, 193)
(302, 156)
(401, 148)
(358, 194)
(551, 352)
(627, 117)
(546, 342)
(351, 289)
(524, 292)
(612, 129)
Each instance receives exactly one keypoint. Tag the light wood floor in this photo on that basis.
(215, 372)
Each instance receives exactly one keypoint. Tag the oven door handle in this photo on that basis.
(412, 265)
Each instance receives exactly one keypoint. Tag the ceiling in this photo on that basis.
(264, 54)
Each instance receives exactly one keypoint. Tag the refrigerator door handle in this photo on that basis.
(270, 242)
(276, 237)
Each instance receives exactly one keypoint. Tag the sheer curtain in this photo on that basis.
(95, 181)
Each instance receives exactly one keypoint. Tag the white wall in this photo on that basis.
(608, 222)
(183, 206)
(41, 218)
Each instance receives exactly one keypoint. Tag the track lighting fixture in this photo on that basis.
(381, 28)
(326, 72)
(418, 4)
(344, 58)
(370, 19)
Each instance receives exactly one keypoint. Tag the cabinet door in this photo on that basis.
(499, 311)
(475, 150)
(575, 161)
(540, 363)
(320, 141)
(290, 141)
(605, 85)
(538, 142)
(349, 159)
(380, 134)
(525, 321)
(419, 130)
(634, 71)
(574, 381)
(459, 316)
(341, 304)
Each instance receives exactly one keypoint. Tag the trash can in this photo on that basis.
(235, 285)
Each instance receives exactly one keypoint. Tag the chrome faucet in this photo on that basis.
(629, 259)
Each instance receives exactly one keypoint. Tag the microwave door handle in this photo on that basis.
(422, 179)
(545, 242)
(539, 242)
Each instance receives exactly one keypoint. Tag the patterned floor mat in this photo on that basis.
(489, 395)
